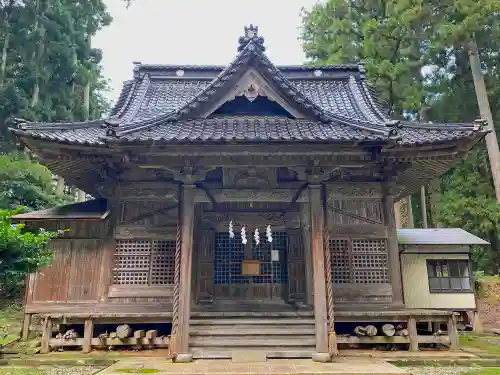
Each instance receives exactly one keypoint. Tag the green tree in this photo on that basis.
(26, 183)
(49, 69)
(21, 253)
(399, 42)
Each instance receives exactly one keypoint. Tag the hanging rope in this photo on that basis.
(177, 279)
(332, 337)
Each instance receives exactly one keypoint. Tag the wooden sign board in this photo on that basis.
(250, 268)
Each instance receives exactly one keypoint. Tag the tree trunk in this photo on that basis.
(86, 90)
(485, 112)
(6, 41)
(3, 66)
(40, 49)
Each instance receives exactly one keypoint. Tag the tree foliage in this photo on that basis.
(416, 56)
(21, 252)
(26, 183)
(47, 60)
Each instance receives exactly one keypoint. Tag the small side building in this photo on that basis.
(436, 268)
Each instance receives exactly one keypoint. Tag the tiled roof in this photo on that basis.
(438, 236)
(246, 128)
(96, 209)
(165, 102)
(251, 128)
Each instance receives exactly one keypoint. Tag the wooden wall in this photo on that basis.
(359, 244)
(76, 275)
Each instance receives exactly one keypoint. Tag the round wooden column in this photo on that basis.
(187, 222)
(393, 250)
(318, 271)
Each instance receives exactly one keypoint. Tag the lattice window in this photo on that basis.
(359, 261)
(144, 262)
(340, 261)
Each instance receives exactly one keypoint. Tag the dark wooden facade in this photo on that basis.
(187, 150)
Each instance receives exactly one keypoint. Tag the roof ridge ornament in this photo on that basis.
(251, 35)
(394, 127)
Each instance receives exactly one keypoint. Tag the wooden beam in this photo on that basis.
(250, 195)
(352, 215)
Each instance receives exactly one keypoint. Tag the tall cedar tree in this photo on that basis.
(415, 54)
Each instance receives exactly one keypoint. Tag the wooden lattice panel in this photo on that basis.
(369, 261)
(359, 261)
(144, 262)
(163, 263)
(340, 261)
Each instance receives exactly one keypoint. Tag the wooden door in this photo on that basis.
(230, 264)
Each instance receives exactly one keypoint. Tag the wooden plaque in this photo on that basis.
(250, 268)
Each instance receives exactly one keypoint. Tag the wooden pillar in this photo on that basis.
(46, 335)
(397, 215)
(80, 197)
(453, 332)
(60, 186)
(392, 249)
(411, 221)
(318, 271)
(88, 333)
(26, 327)
(423, 207)
(477, 326)
(412, 334)
(305, 222)
(187, 222)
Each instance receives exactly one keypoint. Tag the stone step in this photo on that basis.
(271, 353)
(252, 322)
(251, 341)
(242, 330)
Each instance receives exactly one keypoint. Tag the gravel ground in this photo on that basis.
(430, 370)
(84, 370)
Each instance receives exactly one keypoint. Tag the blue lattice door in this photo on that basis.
(251, 271)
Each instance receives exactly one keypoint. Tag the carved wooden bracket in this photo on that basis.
(354, 191)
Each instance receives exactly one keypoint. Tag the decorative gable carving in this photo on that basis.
(251, 85)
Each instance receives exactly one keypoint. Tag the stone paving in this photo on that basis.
(342, 366)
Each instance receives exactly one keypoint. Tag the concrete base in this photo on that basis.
(321, 357)
(183, 358)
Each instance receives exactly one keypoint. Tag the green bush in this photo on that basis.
(21, 252)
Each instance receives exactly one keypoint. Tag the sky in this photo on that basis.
(195, 32)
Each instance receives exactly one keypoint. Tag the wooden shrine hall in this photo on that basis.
(241, 206)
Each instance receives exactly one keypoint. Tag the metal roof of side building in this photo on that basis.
(438, 236)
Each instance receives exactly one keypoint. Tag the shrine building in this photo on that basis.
(247, 206)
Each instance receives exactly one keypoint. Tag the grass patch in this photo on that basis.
(488, 344)
(137, 371)
(7, 339)
(483, 371)
(11, 318)
(21, 371)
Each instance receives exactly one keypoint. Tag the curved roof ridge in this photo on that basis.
(285, 86)
(136, 103)
(369, 96)
(361, 102)
(59, 125)
(124, 98)
(475, 126)
(341, 67)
